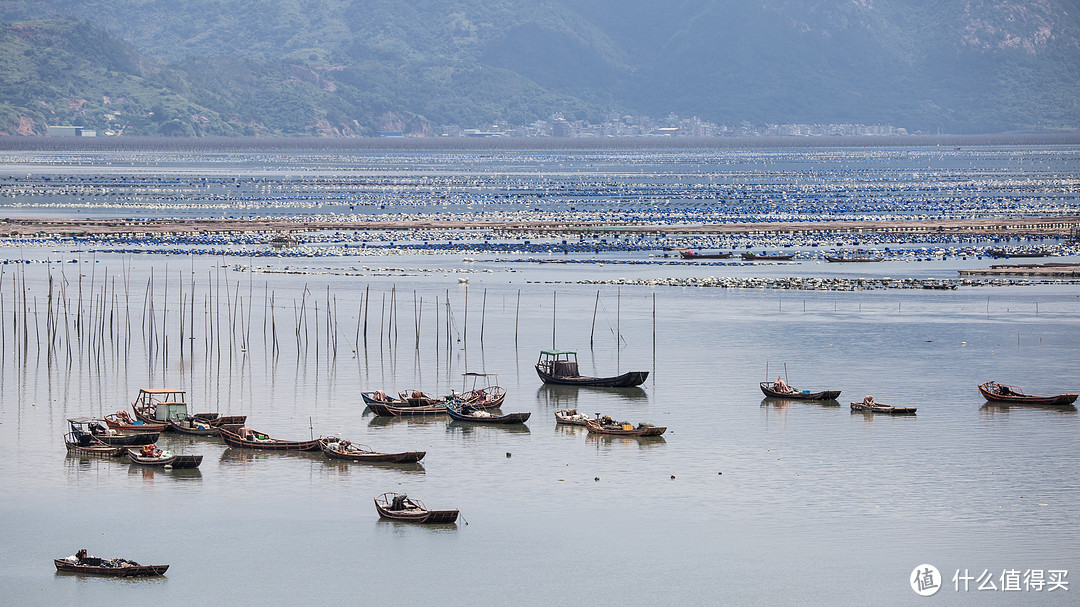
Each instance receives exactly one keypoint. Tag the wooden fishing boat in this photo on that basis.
(195, 426)
(160, 405)
(873, 407)
(419, 398)
(164, 459)
(606, 425)
(489, 396)
(157, 405)
(405, 411)
(84, 430)
(767, 387)
(400, 507)
(570, 417)
(93, 565)
(853, 258)
(343, 449)
(121, 420)
(242, 437)
(379, 397)
(465, 412)
(223, 420)
(748, 256)
(91, 447)
(561, 367)
(1002, 393)
(688, 254)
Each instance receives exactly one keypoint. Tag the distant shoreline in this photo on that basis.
(450, 144)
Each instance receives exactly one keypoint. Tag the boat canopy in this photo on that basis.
(161, 391)
(557, 352)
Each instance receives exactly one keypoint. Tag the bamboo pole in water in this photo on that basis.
(483, 312)
(367, 300)
(554, 295)
(596, 305)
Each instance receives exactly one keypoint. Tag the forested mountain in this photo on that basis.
(355, 67)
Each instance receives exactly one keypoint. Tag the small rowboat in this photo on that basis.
(86, 430)
(242, 437)
(93, 565)
(570, 417)
(605, 425)
(1001, 393)
(767, 389)
(224, 420)
(873, 407)
(196, 426)
(176, 462)
(338, 449)
(91, 447)
(385, 410)
(464, 412)
(400, 507)
(123, 422)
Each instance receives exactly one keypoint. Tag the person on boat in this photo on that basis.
(81, 555)
(246, 433)
(868, 401)
(780, 386)
(150, 451)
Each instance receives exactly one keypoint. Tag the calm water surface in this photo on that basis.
(743, 501)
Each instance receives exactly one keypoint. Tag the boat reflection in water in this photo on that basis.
(644, 442)
(562, 396)
(991, 409)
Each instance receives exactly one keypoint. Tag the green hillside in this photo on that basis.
(355, 67)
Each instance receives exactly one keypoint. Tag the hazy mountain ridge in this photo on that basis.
(348, 67)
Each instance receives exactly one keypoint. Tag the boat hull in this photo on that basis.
(67, 566)
(406, 457)
(193, 428)
(766, 388)
(231, 438)
(888, 409)
(384, 410)
(414, 515)
(626, 380)
(509, 418)
(596, 428)
(175, 462)
(1061, 400)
